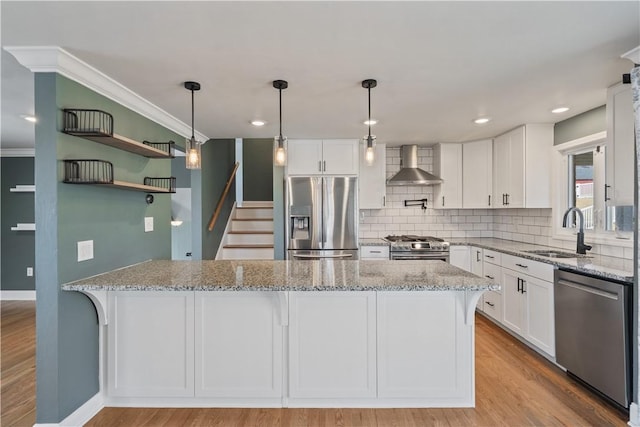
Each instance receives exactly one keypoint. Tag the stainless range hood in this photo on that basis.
(410, 173)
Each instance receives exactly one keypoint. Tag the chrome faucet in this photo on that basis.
(581, 248)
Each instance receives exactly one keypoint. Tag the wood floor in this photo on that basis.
(514, 387)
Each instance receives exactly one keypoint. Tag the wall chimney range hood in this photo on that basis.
(410, 173)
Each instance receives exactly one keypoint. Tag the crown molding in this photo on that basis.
(633, 55)
(54, 59)
(17, 152)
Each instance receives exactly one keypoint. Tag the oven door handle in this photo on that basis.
(419, 258)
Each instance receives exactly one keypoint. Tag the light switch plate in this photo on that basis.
(85, 250)
(148, 224)
(29, 271)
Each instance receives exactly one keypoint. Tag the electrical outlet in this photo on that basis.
(148, 224)
(29, 271)
(85, 250)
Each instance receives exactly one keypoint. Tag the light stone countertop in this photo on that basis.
(597, 265)
(373, 242)
(317, 275)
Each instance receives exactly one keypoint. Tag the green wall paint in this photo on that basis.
(66, 323)
(207, 185)
(587, 123)
(18, 247)
(257, 164)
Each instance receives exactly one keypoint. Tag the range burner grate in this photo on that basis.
(412, 238)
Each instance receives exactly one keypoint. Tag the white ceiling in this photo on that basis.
(439, 65)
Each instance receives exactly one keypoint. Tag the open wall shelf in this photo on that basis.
(97, 126)
(100, 172)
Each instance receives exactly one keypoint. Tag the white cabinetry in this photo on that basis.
(427, 361)
(332, 345)
(476, 261)
(459, 257)
(492, 270)
(522, 167)
(317, 157)
(370, 253)
(447, 164)
(243, 361)
(620, 128)
(477, 171)
(528, 301)
(150, 343)
(372, 191)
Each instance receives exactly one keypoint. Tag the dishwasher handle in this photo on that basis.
(588, 289)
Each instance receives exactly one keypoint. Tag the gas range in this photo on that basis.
(417, 247)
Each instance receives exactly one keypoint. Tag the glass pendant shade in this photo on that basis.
(193, 154)
(369, 149)
(280, 150)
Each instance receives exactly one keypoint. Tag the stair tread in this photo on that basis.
(252, 219)
(254, 207)
(247, 246)
(250, 232)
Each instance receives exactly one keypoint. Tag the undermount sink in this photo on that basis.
(555, 254)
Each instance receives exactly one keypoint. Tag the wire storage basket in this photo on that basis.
(164, 184)
(166, 147)
(82, 122)
(88, 171)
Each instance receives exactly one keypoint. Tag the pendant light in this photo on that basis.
(280, 142)
(193, 148)
(370, 140)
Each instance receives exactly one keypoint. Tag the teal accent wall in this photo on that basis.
(278, 213)
(207, 185)
(257, 164)
(66, 322)
(18, 247)
(587, 123)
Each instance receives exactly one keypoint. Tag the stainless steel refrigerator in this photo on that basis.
(322, 217)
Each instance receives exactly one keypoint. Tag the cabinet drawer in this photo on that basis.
(492, 305)
(533, 268)
(493, 272)
(377, 252)
(492, 256)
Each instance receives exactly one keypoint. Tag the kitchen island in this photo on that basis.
(287, 333)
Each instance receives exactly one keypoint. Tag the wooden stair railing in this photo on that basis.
(223, 197)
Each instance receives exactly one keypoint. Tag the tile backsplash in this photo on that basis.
(523, 225)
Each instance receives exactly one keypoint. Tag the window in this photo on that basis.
(582, 165)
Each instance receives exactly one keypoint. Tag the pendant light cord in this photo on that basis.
(280, 94)
(192, 109)
(369, 91)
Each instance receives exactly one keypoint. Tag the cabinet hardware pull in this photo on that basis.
(319, 165)
(522, 265)
(443, 201)
(507, 199)
(324, 163)
(504, 199)
(477, 256)
(490, 304)
(384, 200)
(489, 277)
(524, 287)
(490, 256)
(519, 285)
(489, 204)
(606, 196)
(375, 252)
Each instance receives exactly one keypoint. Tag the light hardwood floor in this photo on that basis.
(514, 387)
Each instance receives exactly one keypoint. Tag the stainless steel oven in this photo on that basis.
(409, 247)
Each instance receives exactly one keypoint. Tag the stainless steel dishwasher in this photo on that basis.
(593, 332)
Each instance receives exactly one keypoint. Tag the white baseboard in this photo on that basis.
(82, 415)
(18, 295)
(634, 415)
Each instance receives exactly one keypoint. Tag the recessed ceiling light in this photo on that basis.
(258, 122)
(370, 122)
(482, 120)
(28, 118)
(560, 110)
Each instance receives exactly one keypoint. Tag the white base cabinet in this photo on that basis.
(332, 345)
(288, 349)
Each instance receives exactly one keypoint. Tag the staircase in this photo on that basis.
(249, 232)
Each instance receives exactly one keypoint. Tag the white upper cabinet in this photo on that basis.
(372, 182)
(620, 127)
(318, 157)
(447, 164)
(522, 167)
(477, 174)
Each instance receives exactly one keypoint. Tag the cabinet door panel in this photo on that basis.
(540, 314)
(620, 127)
(448, 166)
(513, 302)
(329, 355)
(304, 157)
(516, 168)
(238, 344)
(477, 160)
(150, 344)
(500, 170)
(340, 156)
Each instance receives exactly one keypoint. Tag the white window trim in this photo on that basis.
(560, 195)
